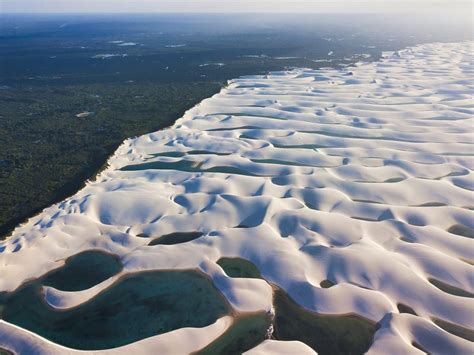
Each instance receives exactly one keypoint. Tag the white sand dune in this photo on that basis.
(360, 176)
(275, 347)
(180, 341)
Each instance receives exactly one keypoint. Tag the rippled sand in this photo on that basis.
(360, 179)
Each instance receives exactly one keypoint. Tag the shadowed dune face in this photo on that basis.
(347, 190)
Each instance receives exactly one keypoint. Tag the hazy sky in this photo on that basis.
(284, 6)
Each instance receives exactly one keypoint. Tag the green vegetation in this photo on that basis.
(47, 152)
(53, 68)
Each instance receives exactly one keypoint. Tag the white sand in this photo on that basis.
(358, 175)
(180, 341)
(275, 347)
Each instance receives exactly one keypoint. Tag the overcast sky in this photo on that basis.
(284, 6)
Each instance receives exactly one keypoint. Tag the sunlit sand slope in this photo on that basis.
(361, 179)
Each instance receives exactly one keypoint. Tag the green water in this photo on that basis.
(246, 333)
(240, 114)
(326, 284)
(136, 307)
(175, 238)
(237, 267)
(232, 128)
(300, 146)
(326, 334)
(349, 334)
(145, 304)
(177, 154)
(83, 271)
(454, 329)
(450, 289)
(402, 308)
(187, 166)
(278, 162)
(461, 230)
